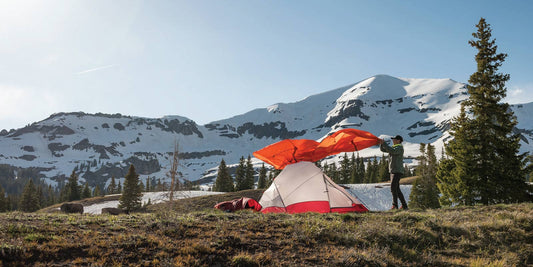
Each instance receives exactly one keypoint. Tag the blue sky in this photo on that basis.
(210, 60)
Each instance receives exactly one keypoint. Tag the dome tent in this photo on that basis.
(303, 187)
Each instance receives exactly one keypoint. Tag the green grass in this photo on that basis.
(191, 233)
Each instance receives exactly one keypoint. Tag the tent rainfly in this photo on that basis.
(290, 151)
(303, 187)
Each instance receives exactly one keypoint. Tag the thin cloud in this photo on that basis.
(516, 92)
(519, 94)
(95, 69)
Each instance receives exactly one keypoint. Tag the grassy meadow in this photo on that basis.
(191, 233)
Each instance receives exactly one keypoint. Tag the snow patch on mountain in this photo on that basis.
(101, 146)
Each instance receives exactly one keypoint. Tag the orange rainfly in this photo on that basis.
(290, 151)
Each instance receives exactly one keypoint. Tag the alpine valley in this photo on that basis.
(101, 146)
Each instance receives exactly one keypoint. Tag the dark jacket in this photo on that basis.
(396, 154)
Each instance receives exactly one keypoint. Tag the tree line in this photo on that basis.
(351, 170)
(36, 194)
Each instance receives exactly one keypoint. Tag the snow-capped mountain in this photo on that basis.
(99, 146)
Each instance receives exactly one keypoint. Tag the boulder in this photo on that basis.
(72, 208)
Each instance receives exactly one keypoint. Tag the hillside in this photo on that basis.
(500, 235)
(101, 146)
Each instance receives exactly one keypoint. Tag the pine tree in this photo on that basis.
(484, 165)
(148, 188)
(112, 187)
(73, 191)
(270, 179)
(131, 198)
(153, 184)
(240, 175)
(40, 196)
(262, 182)
(531, 172)
(51, 196)
(408, 172)
(333, 172)
(3, 200)
(345, 170)
(383, 171)
(424, 193)
(361, 168)
(224, 182)
(86, 193)
(372, 171)
(358, 174)
(97, 191)
(249, 173)
(29, 201)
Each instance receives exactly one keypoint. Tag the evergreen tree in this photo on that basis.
(345, 170)
(424, 193)
(112, 187)
(372, 171)
(29, 201)
(383, 170)
(224, 182)
(73, 191)
(358, 174)
(86, 193)
(531, 172)
(270, 179)
(408, 171)
(12, 202)
(262, 182)
(484, 165)
(148, 188)
(159, 186)
(249, 179)
(40, 195)
(97, 191)
(361, 168)
(119, 188)
(240, 175)
(333, 173)
(3, 200)
(131, 198)
(51, 196)
(153, 184)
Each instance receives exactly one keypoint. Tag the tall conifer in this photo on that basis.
(345, 170)
(484, 165)
(249, 173)
(73, 190)
(131, 198)
(240, 175)
(224, 182)
(262, 181)
(112, 187)
(424, 193)
(86, 193)
(3, 200)
(29, 200)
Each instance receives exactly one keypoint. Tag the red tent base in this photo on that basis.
(314, 206)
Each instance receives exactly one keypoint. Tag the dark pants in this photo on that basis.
(395, 189)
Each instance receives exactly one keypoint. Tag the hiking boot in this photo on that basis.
(404, 207)
(394, 207)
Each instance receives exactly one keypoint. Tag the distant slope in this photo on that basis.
(101, 146)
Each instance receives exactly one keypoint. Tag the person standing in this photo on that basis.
(396, 169)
